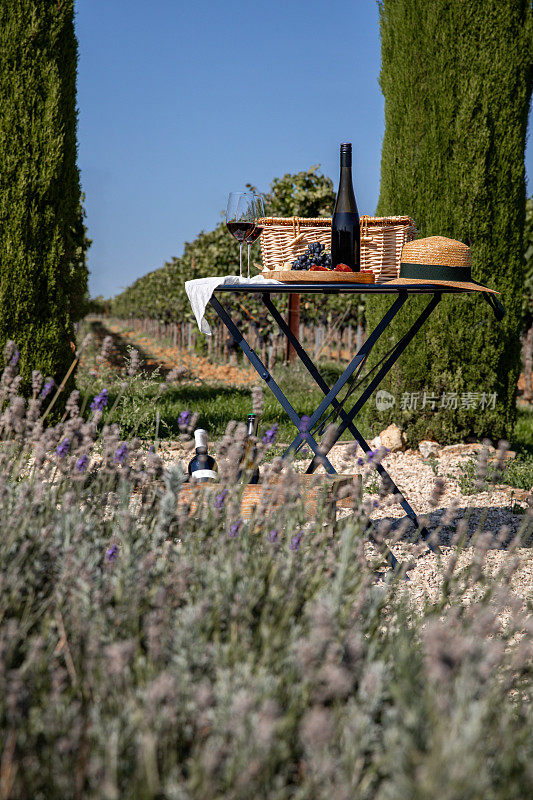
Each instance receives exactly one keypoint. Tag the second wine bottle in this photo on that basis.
(248, 468)
(345, 232)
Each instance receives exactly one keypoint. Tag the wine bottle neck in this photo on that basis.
(345, 179)
(345, 201)
(346, 159)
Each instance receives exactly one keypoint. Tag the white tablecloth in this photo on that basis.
(200, 290)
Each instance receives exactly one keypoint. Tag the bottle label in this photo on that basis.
(199, 474)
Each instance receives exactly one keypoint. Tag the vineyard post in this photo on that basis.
(359, 340)
(293, 321)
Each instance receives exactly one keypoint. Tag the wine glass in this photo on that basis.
(240, 218)
(259, 208)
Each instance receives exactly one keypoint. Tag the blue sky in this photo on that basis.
(182, 102)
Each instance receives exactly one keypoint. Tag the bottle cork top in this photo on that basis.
(346, 154)
(200, 438)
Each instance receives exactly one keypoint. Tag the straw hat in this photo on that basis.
(437, 261)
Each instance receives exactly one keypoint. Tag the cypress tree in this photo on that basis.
(42, 260)
(457, 78)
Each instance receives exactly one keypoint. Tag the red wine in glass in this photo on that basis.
(255, 234)
(242, 230)
(259, 213)
(240, 218)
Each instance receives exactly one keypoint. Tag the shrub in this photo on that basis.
(43, 276)
(153, 650)
(457, 81)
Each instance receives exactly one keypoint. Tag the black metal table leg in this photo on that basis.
(389, 363)
(263, 372)
(331, 394)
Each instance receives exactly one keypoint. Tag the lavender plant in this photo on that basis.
(154, 645)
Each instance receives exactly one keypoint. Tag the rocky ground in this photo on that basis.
(491, 510)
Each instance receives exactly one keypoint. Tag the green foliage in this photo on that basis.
(518, 472)
(528, 256)
(154, 650)
(78, 271)
(304, 194)
(43, 275)
(457, 82)
(523, 434)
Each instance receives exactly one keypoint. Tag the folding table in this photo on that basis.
(346, 418)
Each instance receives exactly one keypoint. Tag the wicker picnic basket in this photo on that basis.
(313, 489)
(382, 240)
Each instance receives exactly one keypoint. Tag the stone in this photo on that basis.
(428, 448)
(461, 449)
(391, 438)
(507, 456)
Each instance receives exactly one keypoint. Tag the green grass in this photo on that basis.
(523, 438)
(217, 404)
(518, 471)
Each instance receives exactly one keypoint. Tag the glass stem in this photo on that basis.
(249, 248)
(240, 259)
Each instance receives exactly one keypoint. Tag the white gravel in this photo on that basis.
(487, 511)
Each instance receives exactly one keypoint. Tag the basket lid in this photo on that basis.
(325, 222)
(302, 222)
(367, 220)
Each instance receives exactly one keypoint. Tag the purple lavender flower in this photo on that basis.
(100, 401)
(112, 552)
(82, 463)
(184, 418)
(234, 529)
(47, 388)
(375, 503)
(273, 536)
(360, 462)
(271, 434)
(15, 358)
(219, 499)
(63, 447)
(370, 456)
(304, 424)
(295, 542)
(121, 453)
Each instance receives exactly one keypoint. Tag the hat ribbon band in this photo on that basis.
(439, 272)
(435, 272)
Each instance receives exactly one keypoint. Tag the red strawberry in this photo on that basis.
(343, 268)
(318, 268)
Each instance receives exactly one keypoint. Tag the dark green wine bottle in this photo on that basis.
(248, 467)
(345, 232)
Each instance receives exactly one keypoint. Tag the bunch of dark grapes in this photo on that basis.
(315, 254)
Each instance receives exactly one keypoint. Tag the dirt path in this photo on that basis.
(156, 354)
